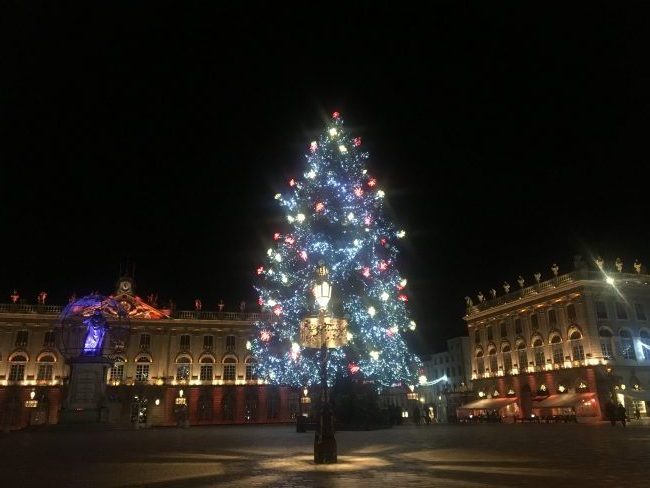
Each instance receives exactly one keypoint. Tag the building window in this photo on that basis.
(183, 368)
(208, 342)
(229, 369)
(145, 341)
(185, 342)
(534, 323)
(538, 346)
(621, 313)
(626, 345)
(558, 354)
(606, 343)
(48, 339)
(518, 329)
(489, 333)
(477, 336)
(494, 367)
(250, 366)
(571, 312)
(601, 310)
(45, 368)
(142, 368)
(230, 343)
(504, 329)
(117, 371)
(17, 369)
(507, 361)
(640, 313)
(206, 372)
(522, 356)
(578, 350)
(552, 318)
(645, 344)
(22, 336)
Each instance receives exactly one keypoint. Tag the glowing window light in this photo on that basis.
(300, 217)
(371, 311)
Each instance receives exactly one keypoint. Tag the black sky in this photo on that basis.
(506, 136)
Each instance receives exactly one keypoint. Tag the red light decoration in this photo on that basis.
(372, 182)
(389, 333)
(313, 146)
(260, 301)
(353, 368)
(303, 255)
(383, 241)
(289, 240)
(336, 115)
(292, 182)
(357, 141)
(400, 286)
(277, 310)
(403, 298)
(368, 220)
(358, 191)
(260, 270)
(383, 265)
(320, 206)
(365, 271)
(265, 335)
(276, 236)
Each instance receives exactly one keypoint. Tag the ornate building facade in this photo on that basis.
(180, 367)
(564, 346)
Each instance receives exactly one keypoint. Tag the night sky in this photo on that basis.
(505, 138)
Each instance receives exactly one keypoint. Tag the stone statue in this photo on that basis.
(600, 262)
(538, 276)
(469, 301)
(619, 264)
(521, 281)
(555, 268)
(493, 292)
(95, 331)
(506, 286)
(637, 266)
(481, 297)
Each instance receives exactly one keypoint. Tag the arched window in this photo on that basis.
(577, 350)
(492, 353)
(538, 345)
(557, 349)
(142, 364)
(250, 365)
(117, 371)
(507, 356)
(575, 335)
(17, 368)
(183, 368)
(626, 345)
(45, 368)
(522, 355)
(207, 368)
(229, 369)
(606, 342)
(644, 337)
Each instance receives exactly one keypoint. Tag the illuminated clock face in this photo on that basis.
(125, 286)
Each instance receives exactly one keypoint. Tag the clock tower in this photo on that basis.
(125, 286)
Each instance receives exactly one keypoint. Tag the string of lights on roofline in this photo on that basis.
(334, 214)
(609, 276)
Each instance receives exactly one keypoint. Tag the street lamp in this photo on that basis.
(323, 332)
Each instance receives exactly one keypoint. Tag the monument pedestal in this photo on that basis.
(85, 400)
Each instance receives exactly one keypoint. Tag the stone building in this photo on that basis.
(562, 347)
(177, 367)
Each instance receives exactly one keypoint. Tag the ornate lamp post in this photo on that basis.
(323, 332)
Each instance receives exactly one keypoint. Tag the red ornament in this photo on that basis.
(276, 236)
(260, 270)
(320, 206)
(383, 265)
(368, 220)
(277, 310)
(289, 240)
(260, 301)
(365, 271)
(354, 368)
(372, 182)
(265, 335)
(292, 182)
(303, 255)
(383, 241)
(389, 333)
(357, 141)
(403, 298)
(358, 191)
(336, 115)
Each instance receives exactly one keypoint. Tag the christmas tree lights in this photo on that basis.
(334, 215)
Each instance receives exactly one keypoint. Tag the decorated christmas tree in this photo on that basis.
(335, 218)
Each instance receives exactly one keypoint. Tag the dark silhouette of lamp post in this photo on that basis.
(323, 332)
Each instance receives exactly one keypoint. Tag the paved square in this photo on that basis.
(276, 456)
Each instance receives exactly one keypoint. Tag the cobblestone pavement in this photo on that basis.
(276, 456)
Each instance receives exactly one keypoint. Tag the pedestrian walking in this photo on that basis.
(637, 413)
(621, 414)
(610, 412)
